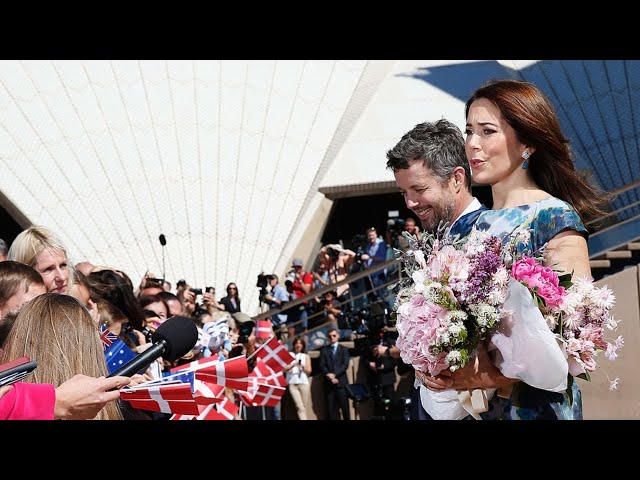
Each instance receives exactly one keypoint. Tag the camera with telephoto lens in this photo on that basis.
(196, 291)
(262, 283)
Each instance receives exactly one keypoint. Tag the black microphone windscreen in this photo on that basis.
(163, 240)
(180, 335)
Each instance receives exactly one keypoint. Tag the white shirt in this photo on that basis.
(472, 207)
(296, 375)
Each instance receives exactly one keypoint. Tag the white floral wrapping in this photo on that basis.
(527, 348)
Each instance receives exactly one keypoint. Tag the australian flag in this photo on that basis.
(184, 377)
(117, 354)
(107, 336)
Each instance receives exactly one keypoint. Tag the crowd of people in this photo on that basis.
(52, 310)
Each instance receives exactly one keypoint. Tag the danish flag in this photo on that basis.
(206, 393)
(264, 329)
(265, 374)
(262, 395)
(198, 364)
(232, 373)
(275, 354)
(225, 410)
(169, 398)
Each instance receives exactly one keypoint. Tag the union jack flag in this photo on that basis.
(107, 336)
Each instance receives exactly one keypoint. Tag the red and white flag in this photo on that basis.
(268, 375)
(206, 393)
(275, 354)
(263, 328)
(225, 410)
(262, 395)
(198, 364)
(172, 398)
(232, 373)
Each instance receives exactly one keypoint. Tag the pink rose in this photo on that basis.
(543, 280)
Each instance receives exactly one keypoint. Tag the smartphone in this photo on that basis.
(14, 371)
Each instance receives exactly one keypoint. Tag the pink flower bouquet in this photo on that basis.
(462, 292)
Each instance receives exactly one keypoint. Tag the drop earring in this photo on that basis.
(525, 155)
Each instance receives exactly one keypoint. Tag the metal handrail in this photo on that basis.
(321, 291)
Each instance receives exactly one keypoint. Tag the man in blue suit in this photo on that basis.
(334, 361)
(432, 173)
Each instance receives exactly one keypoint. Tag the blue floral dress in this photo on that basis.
(545, 218)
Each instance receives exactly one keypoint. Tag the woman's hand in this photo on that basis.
(479, 372)
(436, 383)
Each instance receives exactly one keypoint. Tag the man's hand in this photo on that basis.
(82, 397)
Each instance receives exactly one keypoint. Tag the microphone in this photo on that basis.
(163, 242)
(172, 340)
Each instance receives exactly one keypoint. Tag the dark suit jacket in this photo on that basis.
(228, 306)
(337, 364)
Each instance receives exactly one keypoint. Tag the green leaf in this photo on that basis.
(585, 376)
(565, 278)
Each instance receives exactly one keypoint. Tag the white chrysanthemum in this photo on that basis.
(419, 277)
(603, 298)
(611, 323)
(486, 315)
(501, 277)
(498, 294)
(552, 321)
(431, 291)
(453, 358)
(475, 243)
(455, 329)
(456, 316)
(614, 384)
(522, 236)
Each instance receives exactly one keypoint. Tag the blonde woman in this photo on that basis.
(58, 332)
(41, 249)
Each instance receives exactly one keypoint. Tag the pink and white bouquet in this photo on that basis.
(452, 301)
(577, 311)
(460, 292)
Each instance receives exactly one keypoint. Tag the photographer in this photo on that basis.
(375, 254)
(382, 374)
(209, 302)
(338, 261)
(276, 298)
(331, 308)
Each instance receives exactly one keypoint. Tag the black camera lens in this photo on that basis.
(196, 291)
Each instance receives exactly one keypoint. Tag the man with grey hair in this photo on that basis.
(432, 173)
